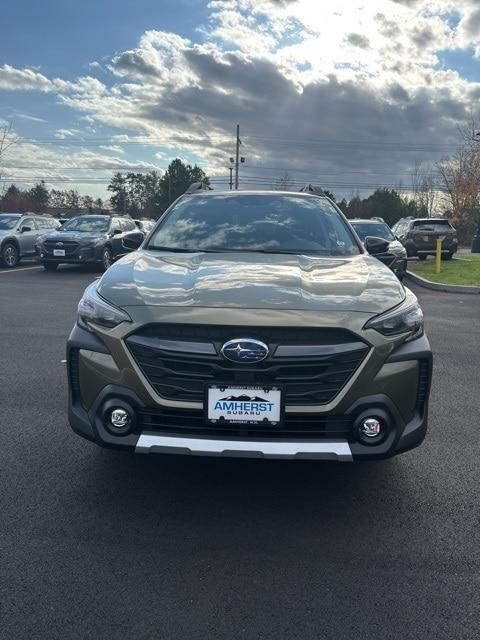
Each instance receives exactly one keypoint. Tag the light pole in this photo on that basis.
(476, 237)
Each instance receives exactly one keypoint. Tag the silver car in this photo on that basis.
(18, 233)
(396, 258)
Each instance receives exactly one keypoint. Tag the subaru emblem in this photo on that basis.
(244, 350)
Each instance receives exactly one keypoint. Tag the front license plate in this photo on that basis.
(244, 405)
(425, 238)
(59, 253)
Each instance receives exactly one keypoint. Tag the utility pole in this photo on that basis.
(237, 156)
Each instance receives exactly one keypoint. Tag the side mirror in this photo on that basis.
(25, 229)
(133, 241)
(376, 246)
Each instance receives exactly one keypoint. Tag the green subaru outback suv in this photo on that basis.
(251, 324)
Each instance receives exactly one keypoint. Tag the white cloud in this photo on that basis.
(112, 147)
(24, 80)
(285, 69)
(25, 116)
(61, 134)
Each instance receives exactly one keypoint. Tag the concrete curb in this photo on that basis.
(438, 286)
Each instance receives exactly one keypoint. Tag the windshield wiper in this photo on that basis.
(182, 249)
(228, 250)
(278, 251)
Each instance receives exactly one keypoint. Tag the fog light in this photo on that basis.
(370, 428)
(119, 420)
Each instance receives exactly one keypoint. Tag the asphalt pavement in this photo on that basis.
(101, 544)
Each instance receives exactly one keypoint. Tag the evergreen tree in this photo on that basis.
(39, 196)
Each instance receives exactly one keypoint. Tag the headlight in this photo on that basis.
(408, 320)
(94, 309)
(93, 242)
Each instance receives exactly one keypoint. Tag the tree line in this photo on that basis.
(39, 199)
(143, 195)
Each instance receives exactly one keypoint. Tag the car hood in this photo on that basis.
(252, 281)
(6, 232)
(75, 236)
(397, 248)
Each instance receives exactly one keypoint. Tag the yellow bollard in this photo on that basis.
(438, 256)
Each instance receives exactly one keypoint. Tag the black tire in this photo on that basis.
(447, 256)
(422, 257)
(50, 266)
(107, 258)
(10, 255)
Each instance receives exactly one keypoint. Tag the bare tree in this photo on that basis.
(284, 183)
(72, 199)
(424, 188)
(460, 180)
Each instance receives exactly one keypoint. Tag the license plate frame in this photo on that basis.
(259, 395)
(59, 253)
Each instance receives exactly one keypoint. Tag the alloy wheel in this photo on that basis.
(10, 256)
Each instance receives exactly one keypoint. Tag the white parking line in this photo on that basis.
(20, 269)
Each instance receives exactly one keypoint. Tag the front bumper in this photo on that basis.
(406, 429)
(414, 249)
(82, 255)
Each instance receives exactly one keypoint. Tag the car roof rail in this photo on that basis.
(311, 188)
(198, 186)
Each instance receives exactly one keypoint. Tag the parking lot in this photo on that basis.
(103, 544)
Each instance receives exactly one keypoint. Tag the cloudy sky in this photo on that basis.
(348, 94)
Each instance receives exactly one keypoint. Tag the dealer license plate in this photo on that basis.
(244, 405)
(59, 253)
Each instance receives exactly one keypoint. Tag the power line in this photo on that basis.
(383, 144)
(246, 180)
(360, 143)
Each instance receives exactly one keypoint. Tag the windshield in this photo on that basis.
(8, 222)
(377, 229)
(86, 224)
(439, 226)
(273, 223)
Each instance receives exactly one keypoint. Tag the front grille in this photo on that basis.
(181, 373)
(69, 245)
(295, 426)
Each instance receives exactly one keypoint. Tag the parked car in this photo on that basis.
(396, 257)
(419, 236)
(251, 324)
(145, 225)
(88, 239)
(18, 234)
